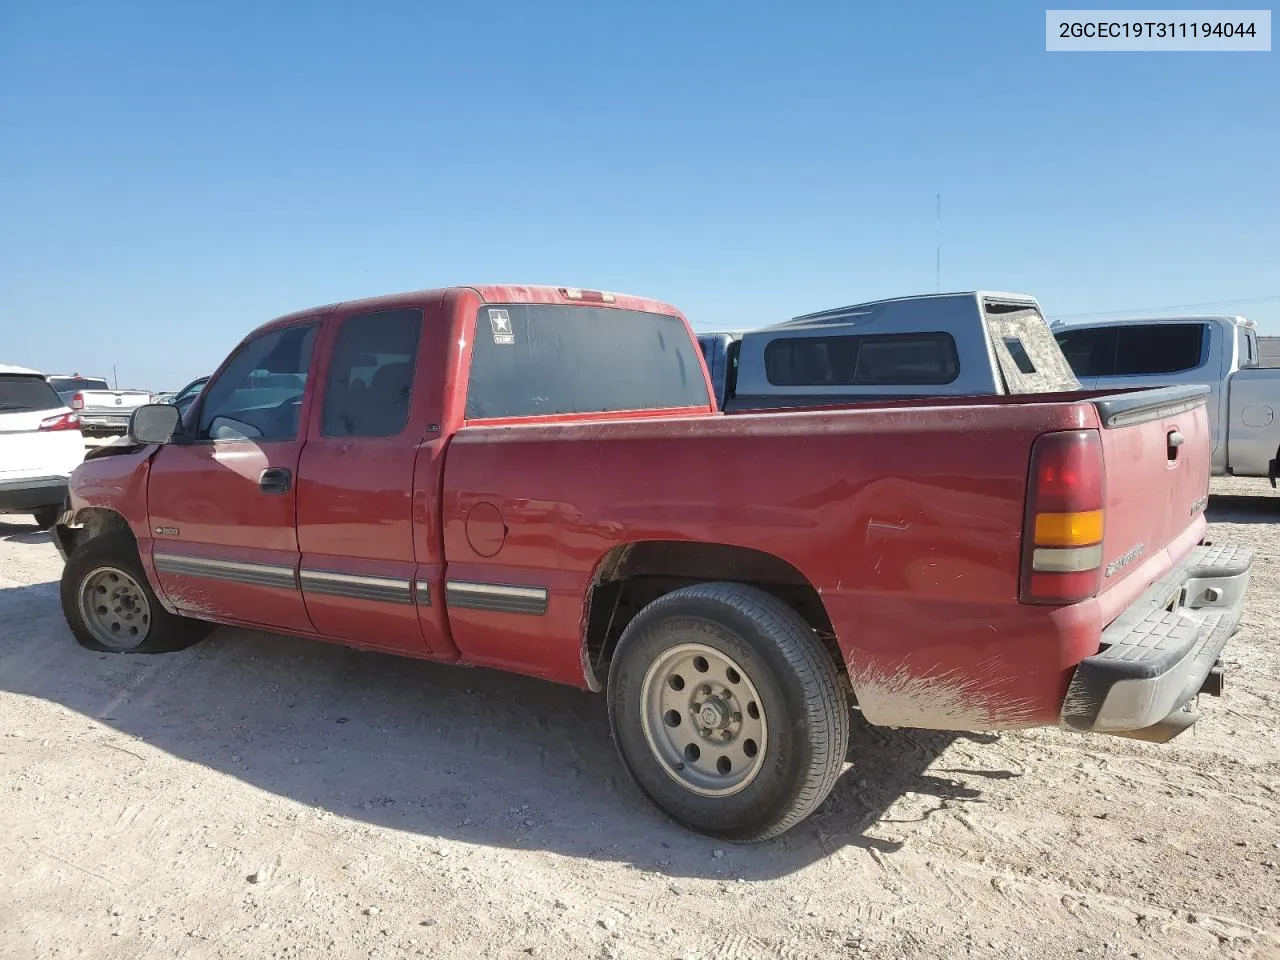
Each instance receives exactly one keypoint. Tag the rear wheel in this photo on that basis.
(111, 607)
(727, 711)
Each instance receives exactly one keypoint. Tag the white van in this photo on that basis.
(40, 444)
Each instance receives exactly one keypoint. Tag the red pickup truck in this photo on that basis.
(537, 480)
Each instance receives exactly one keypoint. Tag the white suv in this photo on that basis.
(40, 444)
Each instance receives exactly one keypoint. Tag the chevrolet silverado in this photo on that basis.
(537, 480)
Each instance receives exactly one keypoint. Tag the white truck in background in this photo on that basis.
(1222, 352)
(100, 408)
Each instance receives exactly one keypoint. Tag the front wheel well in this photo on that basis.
(90, 523)
(631, 577)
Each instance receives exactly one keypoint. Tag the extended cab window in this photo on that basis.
(1127, 350)
(26, 393)
(1091, 352)
(258, 396)
(536, 359)
(907, 359)
(370, 381)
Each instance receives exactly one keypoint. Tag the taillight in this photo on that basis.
(63, 421)
(77, 402)
(1065, 520)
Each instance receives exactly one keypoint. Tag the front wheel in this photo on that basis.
(110, 606)
(727, 711)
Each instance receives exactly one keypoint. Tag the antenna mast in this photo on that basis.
(937, 266)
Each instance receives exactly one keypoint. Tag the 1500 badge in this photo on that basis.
(1126, 558)
(166, 531)
(1199, 505)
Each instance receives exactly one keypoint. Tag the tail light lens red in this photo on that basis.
(77, 402)
(1066, 518)
(63, 421)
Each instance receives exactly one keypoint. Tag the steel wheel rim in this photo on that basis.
(704, 720)
(114, 608)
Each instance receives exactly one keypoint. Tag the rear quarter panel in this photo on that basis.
(907, 521)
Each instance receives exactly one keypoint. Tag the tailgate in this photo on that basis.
(1156, 447)
(113, 401)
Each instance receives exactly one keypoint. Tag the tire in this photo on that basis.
(46, 517)
(758, 657)
(108, 566)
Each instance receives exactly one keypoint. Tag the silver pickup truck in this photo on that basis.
(1222, 352)
(100, 408)
(979, 343)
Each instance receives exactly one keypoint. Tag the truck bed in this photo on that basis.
(906, 517)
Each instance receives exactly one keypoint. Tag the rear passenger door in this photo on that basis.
(355, 487)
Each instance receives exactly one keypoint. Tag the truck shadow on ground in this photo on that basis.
(1224, 508)
(469, 755)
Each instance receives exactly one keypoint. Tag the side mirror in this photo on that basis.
(154, 423)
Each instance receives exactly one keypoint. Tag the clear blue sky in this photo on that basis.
(171, 175)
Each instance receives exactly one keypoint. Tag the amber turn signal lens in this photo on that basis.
(1068, 529)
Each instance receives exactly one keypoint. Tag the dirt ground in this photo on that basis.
(259, 796)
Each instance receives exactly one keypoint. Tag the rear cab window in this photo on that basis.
(27, 393)
(541, 359)
(67, 387)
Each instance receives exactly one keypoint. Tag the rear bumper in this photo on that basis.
(105, 421)
(31, 493)
(1162, 652)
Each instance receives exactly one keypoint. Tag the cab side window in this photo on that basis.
(258, 395)
(370, 381)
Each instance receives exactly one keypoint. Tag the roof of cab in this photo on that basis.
(1235, 321)
(488, 293)
(10, 368)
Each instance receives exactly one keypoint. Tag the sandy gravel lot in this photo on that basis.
(259, 796)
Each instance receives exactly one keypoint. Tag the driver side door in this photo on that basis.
(222, 495)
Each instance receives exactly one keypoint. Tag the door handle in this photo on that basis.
(1175, 440)
(275, 480)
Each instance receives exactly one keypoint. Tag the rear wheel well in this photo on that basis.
(632, 576)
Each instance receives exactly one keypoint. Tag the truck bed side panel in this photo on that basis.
(1252, 425)
(915, 557)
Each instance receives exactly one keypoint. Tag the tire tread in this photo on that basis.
(826, 707)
